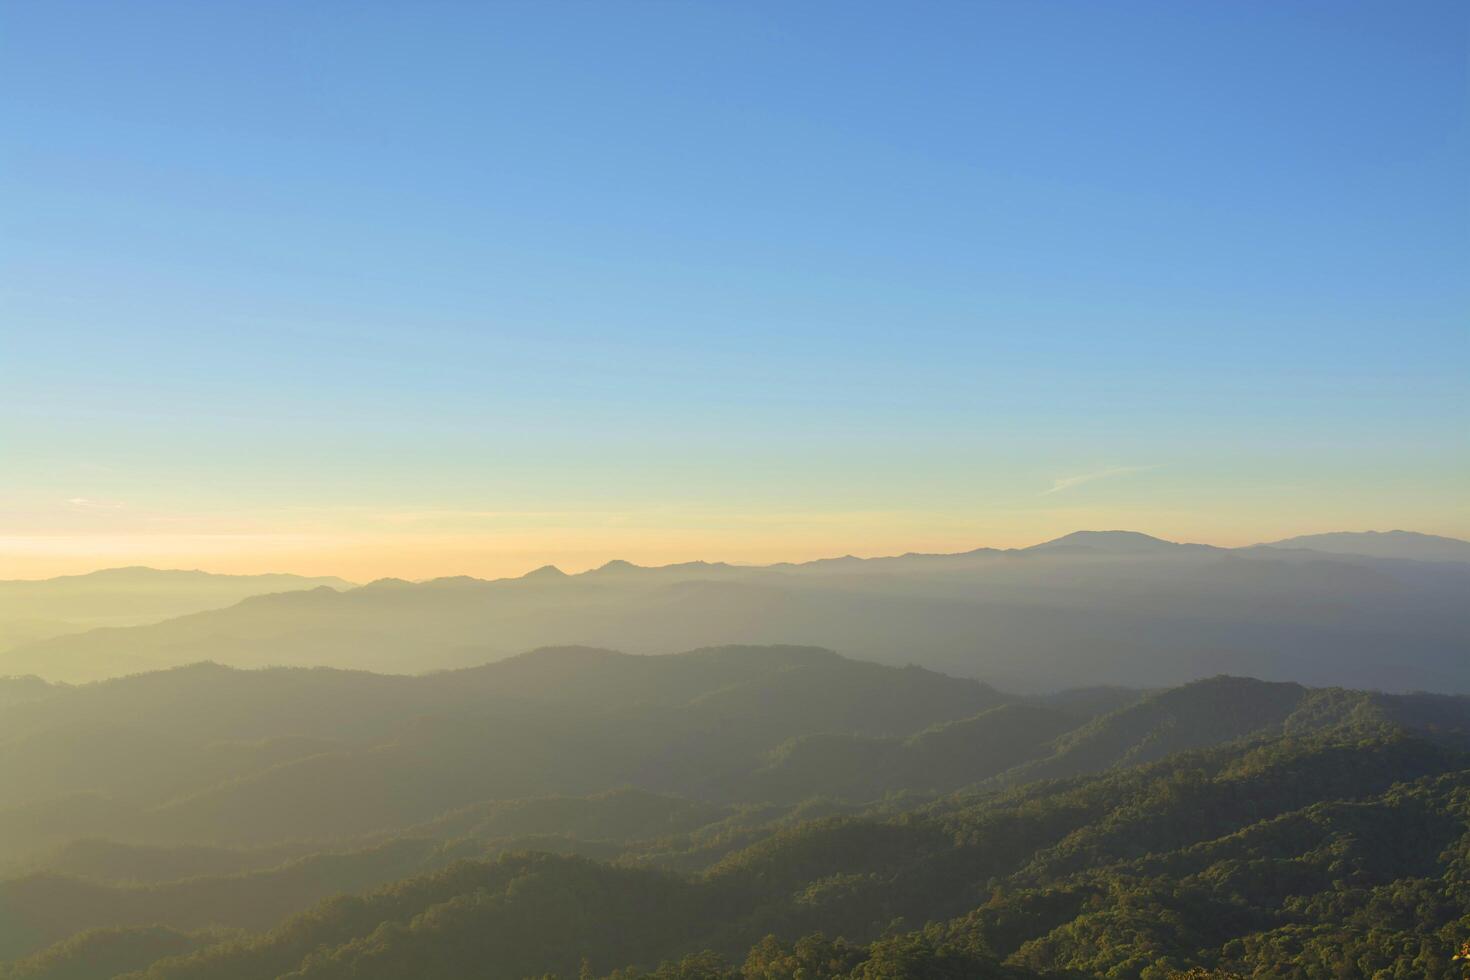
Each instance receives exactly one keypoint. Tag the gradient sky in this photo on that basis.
(435, 288)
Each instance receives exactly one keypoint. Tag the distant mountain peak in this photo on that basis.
(1407, 545)
(388, 583)
(618, 565)
(1111, 542)
(544, 573)
(146, 574)
(450, 583)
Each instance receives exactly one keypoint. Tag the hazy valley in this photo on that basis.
(1044, 763)
(702, 801)
(1087, 609)
(430, 434)
(32, 610)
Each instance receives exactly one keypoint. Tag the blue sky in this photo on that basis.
(452, 287)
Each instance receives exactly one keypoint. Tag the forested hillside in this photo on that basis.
(960, 490)
(581, 812)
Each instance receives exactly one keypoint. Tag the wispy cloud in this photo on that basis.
(87, 503)
(1068, 482)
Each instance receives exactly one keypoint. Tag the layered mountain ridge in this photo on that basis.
(1091, 608)
(518, 817)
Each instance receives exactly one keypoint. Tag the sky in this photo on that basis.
(434, 288)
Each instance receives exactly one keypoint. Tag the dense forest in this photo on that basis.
(771, 812)
(971, 490)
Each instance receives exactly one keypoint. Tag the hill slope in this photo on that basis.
(1248, 858)
(235, 798)
(1406, 545)
(32, 610)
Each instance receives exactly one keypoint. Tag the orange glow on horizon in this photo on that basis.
(577, 545)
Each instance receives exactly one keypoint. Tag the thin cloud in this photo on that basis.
(1068, 482)
(87, 503)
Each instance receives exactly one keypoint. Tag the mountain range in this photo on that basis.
(1408, 545)
(1091, 608)
(576, 811)
(32, 610)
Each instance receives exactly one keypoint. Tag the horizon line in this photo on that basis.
(553, 568)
